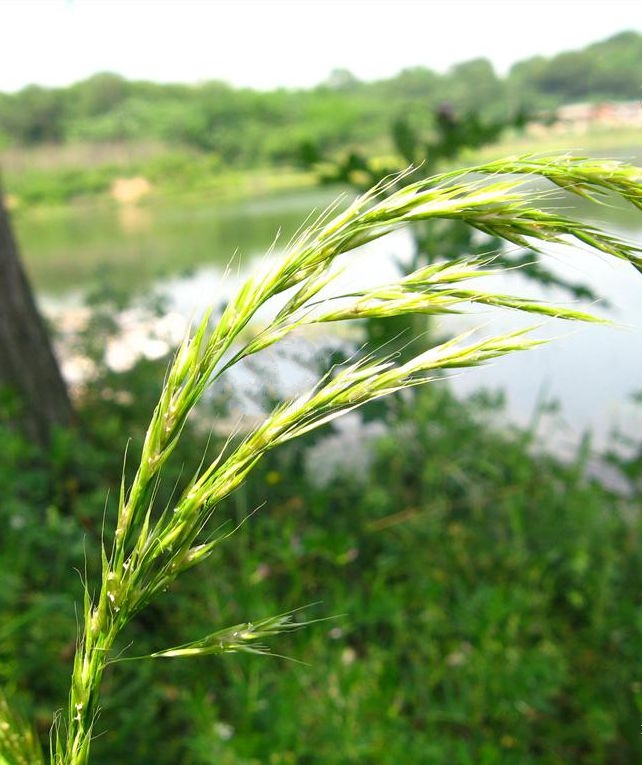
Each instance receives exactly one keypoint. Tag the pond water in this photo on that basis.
(181, 248)
(69, 249)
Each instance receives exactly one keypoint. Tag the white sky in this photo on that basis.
(293, 43)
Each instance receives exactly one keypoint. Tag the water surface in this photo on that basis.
(182, 247)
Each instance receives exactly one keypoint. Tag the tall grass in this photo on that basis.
(147, 546)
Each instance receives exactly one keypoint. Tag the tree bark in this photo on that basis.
(28, 366)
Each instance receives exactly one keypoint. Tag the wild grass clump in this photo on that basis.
(150, 543)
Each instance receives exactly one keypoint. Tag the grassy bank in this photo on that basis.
(66, 174)
(63, 174)
(613, 142)
(486, 601)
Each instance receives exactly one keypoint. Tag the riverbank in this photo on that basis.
(129, 172)
(119, 177)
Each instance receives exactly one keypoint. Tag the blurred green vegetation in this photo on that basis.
(59, 144)
(485, 597)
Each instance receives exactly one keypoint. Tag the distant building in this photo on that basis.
(578, 119)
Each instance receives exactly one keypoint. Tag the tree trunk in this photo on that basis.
(28, 366)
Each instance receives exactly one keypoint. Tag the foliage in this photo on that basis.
(248, 128)
(502, 583)
(483, 597)
(604, 70)
(159, 524)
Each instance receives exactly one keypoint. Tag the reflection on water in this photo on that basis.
(183, 248)
(134, 219)
(591, 370)
(135, 245)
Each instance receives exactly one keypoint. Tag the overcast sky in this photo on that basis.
(292, 43)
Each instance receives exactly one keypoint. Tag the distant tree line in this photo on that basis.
(243, 127)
